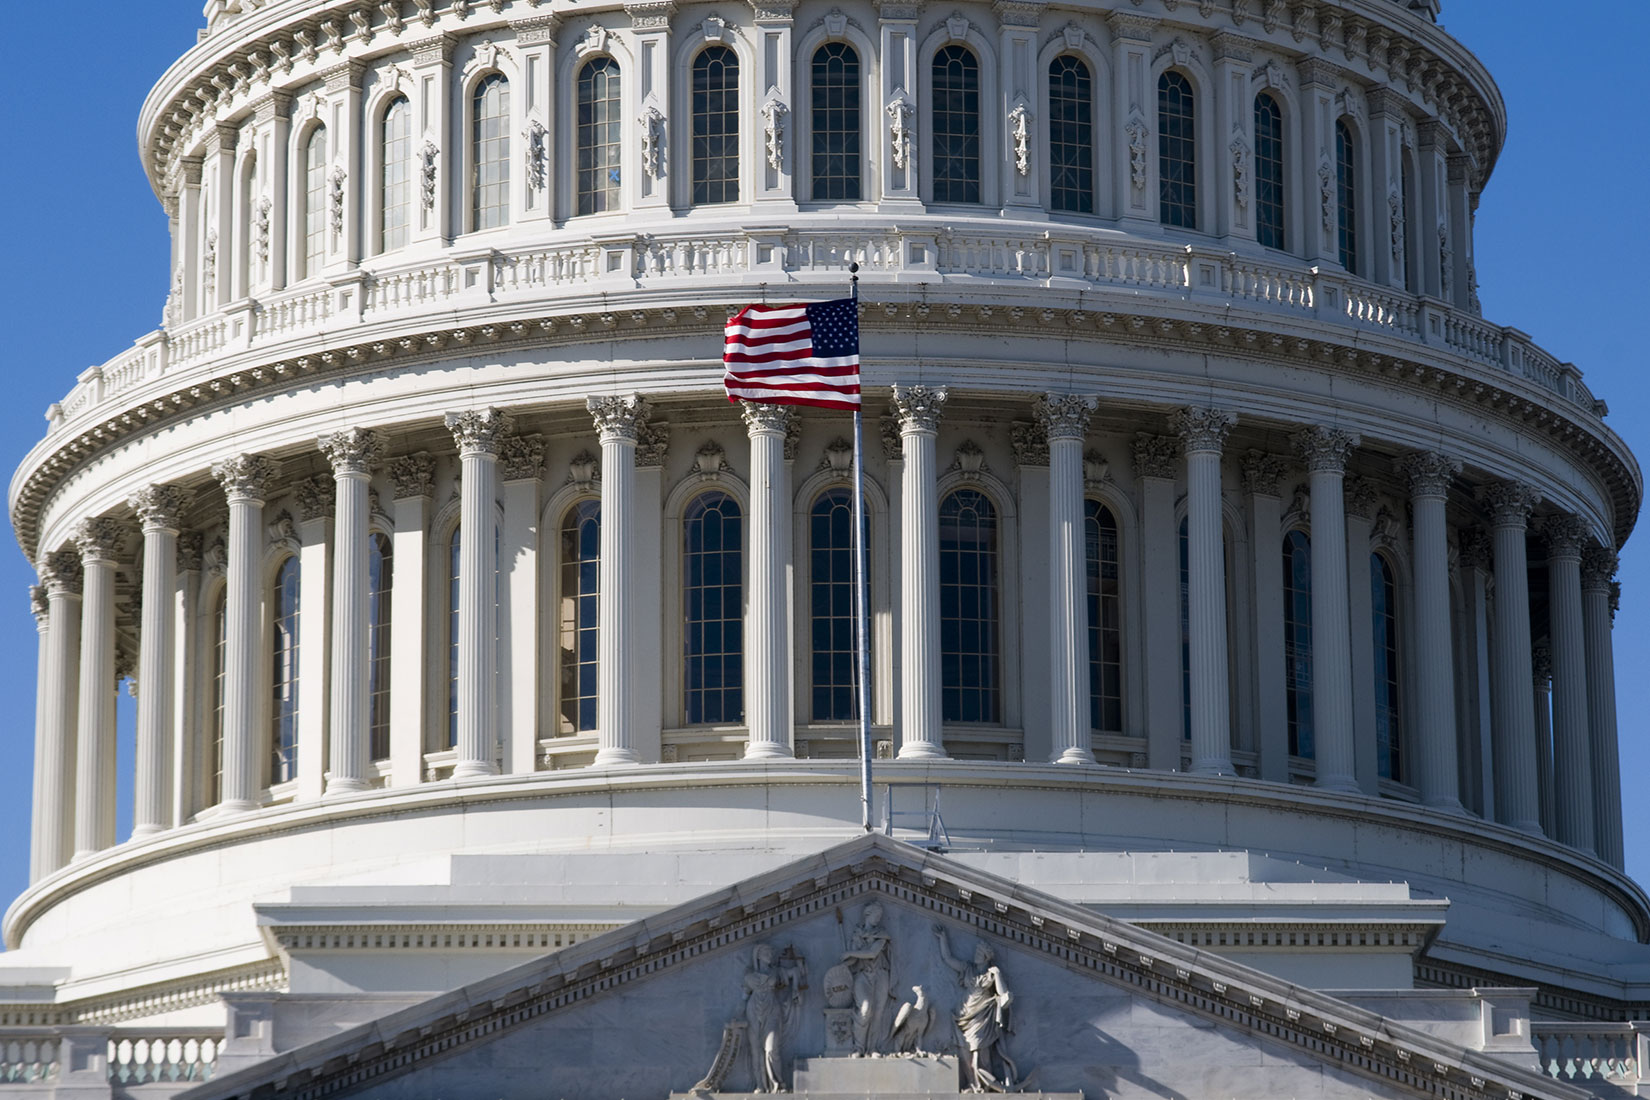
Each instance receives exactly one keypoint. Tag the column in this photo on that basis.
(1156, 464)
(536, 48)
(98, 540)
(219, 173)
(186, 276)
(617, 422)
(521, 464)
(186, 750)
(768, 653)
(1066, 419)
(1262, 485)
(478, 435)
(157, 508)
(1541, 682)
(1457, 253)
(1388, 110)
(346, 151)
(1202, 433)
(1572, 733)
(316, 501)
(245, 479)
(62, 576)
(646, 593)
(412, 477)
(1598, 567)
(1029, 443)
(352, 454)
(1234, 122)
(1325, 451)
(1516, 801)
(1360, 497)
(919, 409)
(1476, 560)
(1430, 474)
(37, 806)
(781, 161)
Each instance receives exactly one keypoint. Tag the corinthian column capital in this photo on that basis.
(246, 478)
(1201, 430)
(618, 417)
(61, 573)
(352, 451)
(1566, 534)
(1065, 415)
(1429, 473)
(39, 605)
(1509, 502)
(761, 418)
(159, 507)
(98, 538)
(919, 408)
(1325, 449)
(479, 431)
(1598, 568)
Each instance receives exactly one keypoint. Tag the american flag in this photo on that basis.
(794, 355)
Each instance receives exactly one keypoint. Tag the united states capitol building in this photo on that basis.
(1242, 693)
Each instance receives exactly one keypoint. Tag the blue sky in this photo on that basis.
(85, 273)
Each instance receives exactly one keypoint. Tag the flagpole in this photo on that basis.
(861, 599)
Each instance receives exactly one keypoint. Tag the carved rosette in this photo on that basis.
(619, 417)
(317, 498)
(1598, 568)
(652, 443)
(1263, 474)
(478, 432)
(39, 606)
(159, 507)
(764, 419)
(1201, 430)
(61, 573)
(98, 539)
(413, 475)
(1030, 442)
(1510, 503)
(190, 545)
(1325, 449)
(1477, 549)
(353, 450)
(1566, 535)
(246, 478)
(1065, 415)
(1429, 473)
(521, 458)
(1156, 456)
(919, 408)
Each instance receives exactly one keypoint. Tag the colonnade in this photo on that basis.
(77, 676)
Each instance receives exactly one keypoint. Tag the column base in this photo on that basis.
(1075, 755)
(1216, 767)
(769, 750)
(612, 757)
(349, 786)
(921, 750)
(141, 831)
(474, 769)
(1339, 784)
(1446, 805)
(1532, 827)
(235, 806)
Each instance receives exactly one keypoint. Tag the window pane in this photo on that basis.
(1105, 617)
(716, 126)
(581, 544)
(490, 153)
(956, 125)
(599, 136)
(283, 706)
(1176, 151)
(1268, 172)
(833, 630)
(380, 575)
(1070, 135)
(1346, 193)
(396, 192)
(220, 652)
(1297, 641)
(315, 202)
(836, 123)
(714, 602)
(452, 641)
(1388, 729)
(969, 608)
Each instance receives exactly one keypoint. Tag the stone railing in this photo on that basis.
(1595, 1056)
(623, 262)
(90, 1059)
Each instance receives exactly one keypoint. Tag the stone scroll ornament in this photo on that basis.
(1019, 128)
(901, 129)
(984, 1018)
(774, 113)
(653, 141)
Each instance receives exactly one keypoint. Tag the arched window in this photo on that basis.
(315, 202)
(245, 232)
(1105, 610)
(956, 120)
(715, 126)
(1412, 269)
(283, 702)
(599, 136)
(452, 639)
(380, 576)
(1346, 194)
(1070, 135)
(836, 123)
(577, 622)
(714, 623)
(490, 153)
(1176, 151)
(220, 655)
(1268, 172)
(835, 676)
(1383, 594)
(969, 608)
(1297, 641)
(395, 179)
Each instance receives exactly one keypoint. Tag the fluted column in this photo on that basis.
(921, 716)
(767, 659)
(1429, 476)
(1598, 567)
(246, 480)
(619, 422)
(478, 435)
(157, 509)
(98, 540)
(1202, 434)
(1572, 734)
(352, 453)
(1325, 450)
(41, 608)
(1065, 417)
(62, 577)
(1516, 800)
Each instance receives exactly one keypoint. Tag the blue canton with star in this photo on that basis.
(835, 328)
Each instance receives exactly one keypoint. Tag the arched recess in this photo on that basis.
(990, 127)
(202, 766)
(593, 42)
(679, 112)
(246, 271)
(1007, 731)
(382, 176)
(1387, 540)
(380, 624)
(306, 194)
(283, 549)
(487, 61)
(802, 110)
(1121, 507)
(551, 520)
(1075, 42)
(1187, 61)
(1274, 80)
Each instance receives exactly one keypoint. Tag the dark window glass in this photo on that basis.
(283, 707)
(714, 623)
(969, 608)
(1383, 594)
(395, 182)
(836, 123)
(1268, 172)
(832, 641)
(490, 153)
(1411, 268)
(716, 126)
(956, 125)
(1176, 151)
(599, 136)
(1070, 135)
(1346, 193)
(1105, 610)
(452, 640)
(1297, 640)
(220, 653)
(581, 545)
(380, 575)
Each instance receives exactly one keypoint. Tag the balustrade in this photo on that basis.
(132, 1056)
(1588, 1054)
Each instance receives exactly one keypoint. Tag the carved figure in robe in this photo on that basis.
(983, 1018)
(773, 998)
(867, 957)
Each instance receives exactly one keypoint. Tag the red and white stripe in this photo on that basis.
(768, 356)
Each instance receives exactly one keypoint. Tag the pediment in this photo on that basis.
(1076, 1001)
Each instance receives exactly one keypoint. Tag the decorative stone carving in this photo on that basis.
(353, 450)
(793, 438)
(652, 122)
(1477, 549)
(775, 112)
(1299, 512)
(98, 538)
(1324, 448)
(773, 1004)
(1566, 534)
(533, 139)
(867, 960)
(261, 227)
(1030, 442)
(413, 475)
(901, 129)
(652, 442)
(1201, 429)
(1598, 567)
(1395, 223)
(1541, 664)
(1446, 260)
(1156, 456)
(1096, 470)
(839, 457)
(1065, 416)
(209, 263)
(283, 529)
(190, 546)
(913, 1023)
(969, 463)
(335, 192)
(1509, 502)
(479, 431)
(1136, 130)
(39, 605)
(1326, 190)
(617, 417)
(584, 471)
(1262, 473)
(592, 41)
(892, 449)
(1360, 497)
(1239, 150)
(709, 461)
(919, 408)
(61, 573)
(521, 458)
(1019, 131)
(246, 477)
(317, 498)
(761, 417)
(983, 1018)
(1428, 472)
(428, 155)
(159, 506)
